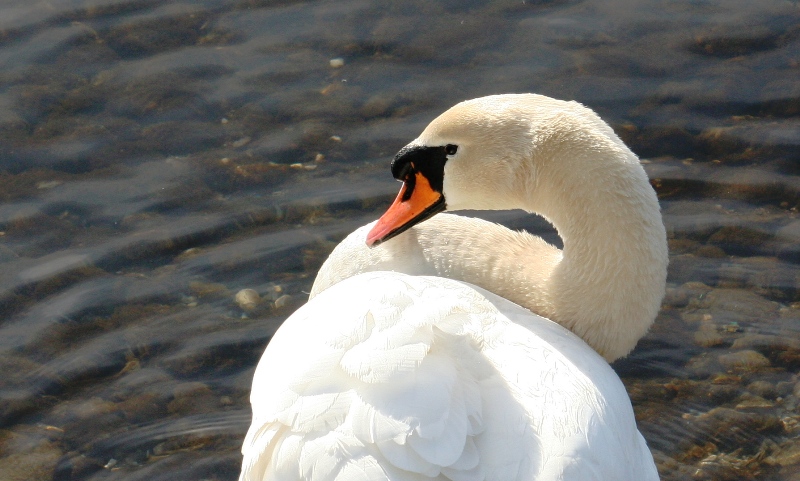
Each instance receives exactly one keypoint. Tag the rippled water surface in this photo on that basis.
(158, 157)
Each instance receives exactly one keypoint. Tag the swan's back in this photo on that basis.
(385, 376)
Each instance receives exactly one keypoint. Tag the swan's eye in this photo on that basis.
(450, 149)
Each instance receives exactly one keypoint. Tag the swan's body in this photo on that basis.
(401, 376)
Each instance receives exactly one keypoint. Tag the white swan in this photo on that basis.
(404, 376)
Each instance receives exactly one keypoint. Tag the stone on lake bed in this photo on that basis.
(248, 299)
(789, 238)
(708, 338)
(750, 402)
(727, 467)
(709, 251)
(766, 341)
(28, 453)
(208, 289)
(703, 365)
(379, 105)
(787, 454)
(81, 411)
(48, 184)
(764, 389)
(676, 297)
(142, 407)
(682, 295)
(723, 393)
(745, 360)
(184, 443)
(282, 301)
(735, 305)
(738, 237)
(193, 398)
(21, 391)
(273, 291)
(682, 246)
(722, 419)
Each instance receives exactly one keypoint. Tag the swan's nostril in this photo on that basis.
(411, 181)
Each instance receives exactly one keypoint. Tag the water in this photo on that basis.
(158, 157)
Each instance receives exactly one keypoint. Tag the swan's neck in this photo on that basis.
(608, 285)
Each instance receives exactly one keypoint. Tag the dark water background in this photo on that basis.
(156, 157)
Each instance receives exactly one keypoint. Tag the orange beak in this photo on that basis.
(416, 202)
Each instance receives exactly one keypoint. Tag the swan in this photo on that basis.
(457, 349)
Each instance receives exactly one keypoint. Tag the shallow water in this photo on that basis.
(158, 157)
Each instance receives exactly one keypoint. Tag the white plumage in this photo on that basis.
(387, 376)
(390, 376)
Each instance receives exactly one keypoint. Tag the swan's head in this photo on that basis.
(473, 156)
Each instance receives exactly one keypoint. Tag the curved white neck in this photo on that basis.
(610, 282)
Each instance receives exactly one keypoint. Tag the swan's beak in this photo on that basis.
(416, 202)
